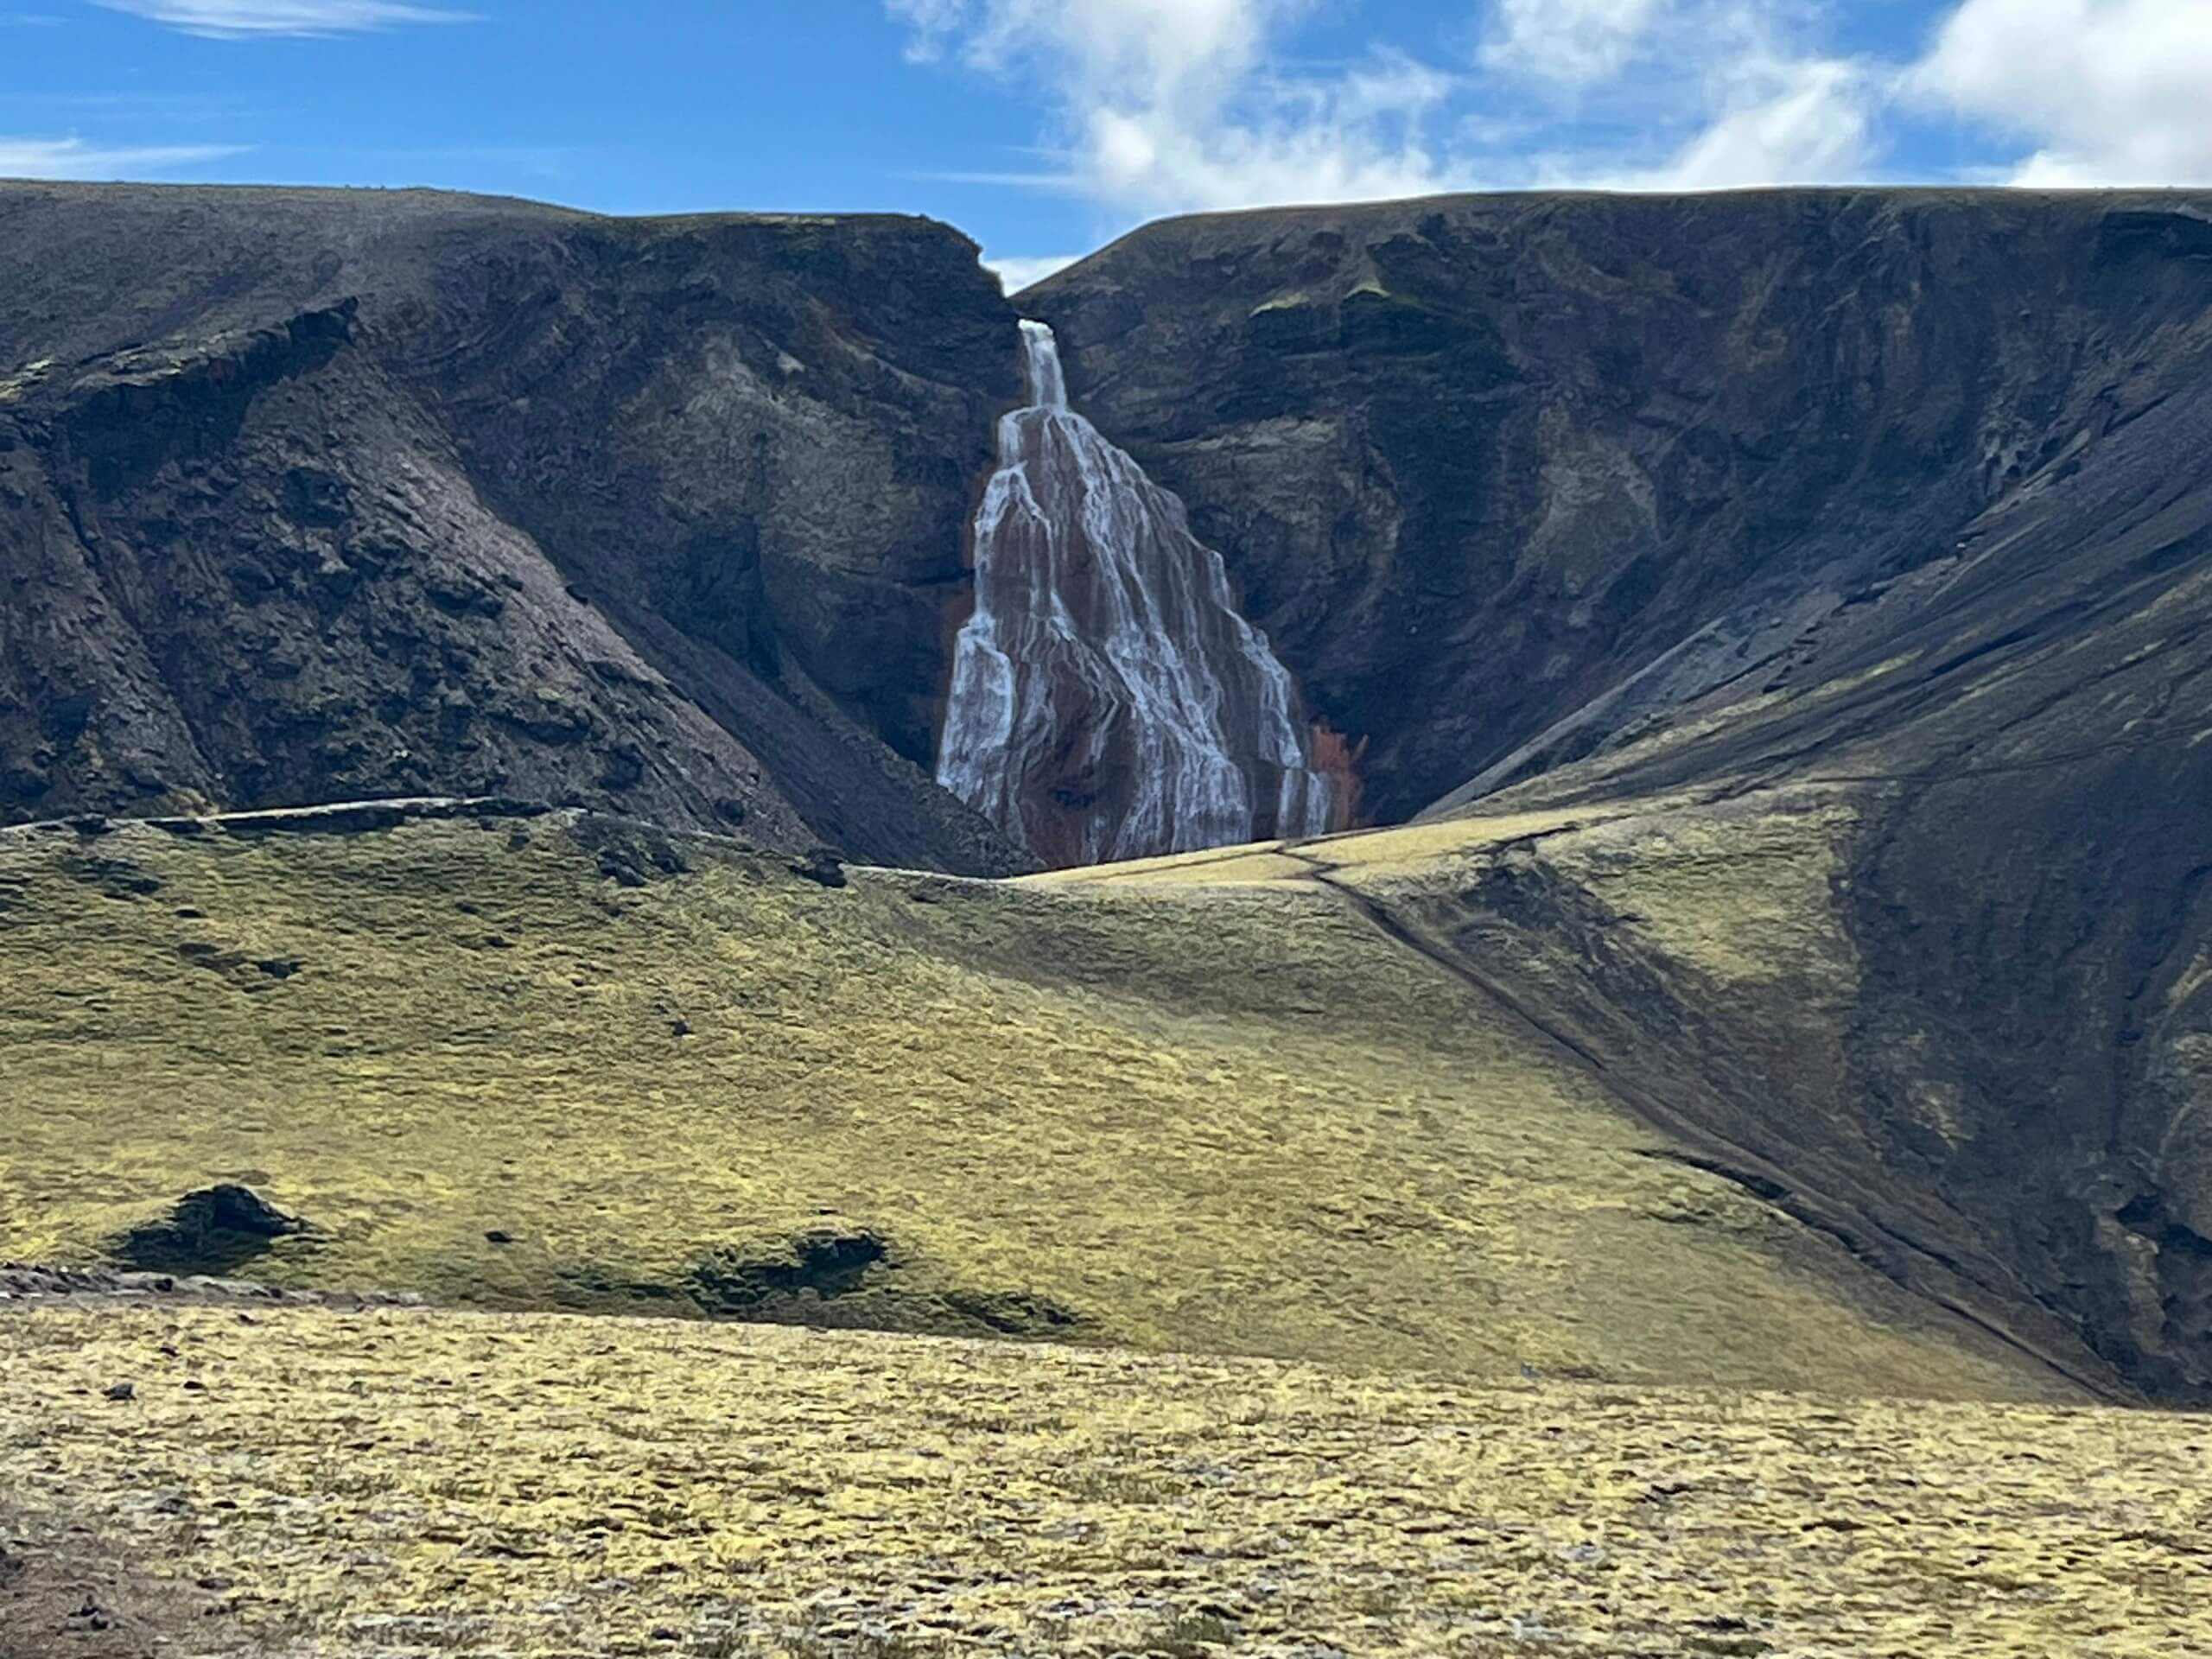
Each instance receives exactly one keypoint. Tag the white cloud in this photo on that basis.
(1016, 273)
(237, 20)
(72, 158)
(930, 21)
(1170, 105)
(1167, 104)
(2108, 91)
(1357, 137)
(1568, 42)
(1796, 121)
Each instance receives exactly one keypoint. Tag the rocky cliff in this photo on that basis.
(1865, 540)
(1501, 475)
(312, 495)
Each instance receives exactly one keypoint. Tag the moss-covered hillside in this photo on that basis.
(553, 1061)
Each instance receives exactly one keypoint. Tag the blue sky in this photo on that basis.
(1044, 127)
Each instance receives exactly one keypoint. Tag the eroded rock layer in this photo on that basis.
(321, 495)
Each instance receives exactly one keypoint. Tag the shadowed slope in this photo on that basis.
(1502, 475)
(2011, 797)
(321, 494)
(1824, 579)
(1965, 1038)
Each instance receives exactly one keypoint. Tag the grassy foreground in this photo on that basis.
(396, 1484)
(672, 1075)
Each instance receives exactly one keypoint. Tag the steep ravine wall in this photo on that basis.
(1502, 477)
(671, 516)
(317, 495)
(1858, 544)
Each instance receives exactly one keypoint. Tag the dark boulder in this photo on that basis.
(213, 1230)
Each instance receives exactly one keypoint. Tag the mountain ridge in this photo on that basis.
(382, 418)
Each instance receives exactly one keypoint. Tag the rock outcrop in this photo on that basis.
(319, 495)
(1502, 476)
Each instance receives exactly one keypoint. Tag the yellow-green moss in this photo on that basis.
(1232, 1119)
(392, 1485)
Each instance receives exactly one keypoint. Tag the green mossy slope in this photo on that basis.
(671, 1073)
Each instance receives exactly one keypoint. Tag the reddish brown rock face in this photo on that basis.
(1107, 699)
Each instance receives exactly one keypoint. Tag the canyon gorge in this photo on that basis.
(1812, 590)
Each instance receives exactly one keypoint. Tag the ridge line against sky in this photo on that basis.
(1046, 127)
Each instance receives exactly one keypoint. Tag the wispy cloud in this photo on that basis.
(72, 158)
(1766, 117)
(1569, 42)
(239, 20)
(1164, 105)
(1062, 180)
(48, 108)
(1170, 105)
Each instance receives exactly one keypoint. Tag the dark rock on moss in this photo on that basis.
(820, 1265)
(117, 878)
(822, 867)
(209, 1232)
(249, 975)
(630, 854)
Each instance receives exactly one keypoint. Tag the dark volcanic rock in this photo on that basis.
(823, 867)
(821, 1265)
(1500, 475)
(210, 1231)
(323, 495)
(2002, 1071)
(1888, 509)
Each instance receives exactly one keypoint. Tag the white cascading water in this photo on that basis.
(1108, 700)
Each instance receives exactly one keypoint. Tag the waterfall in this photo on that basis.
(1108, 700)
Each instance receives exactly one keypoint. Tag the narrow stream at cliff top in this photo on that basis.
(1108, 700)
